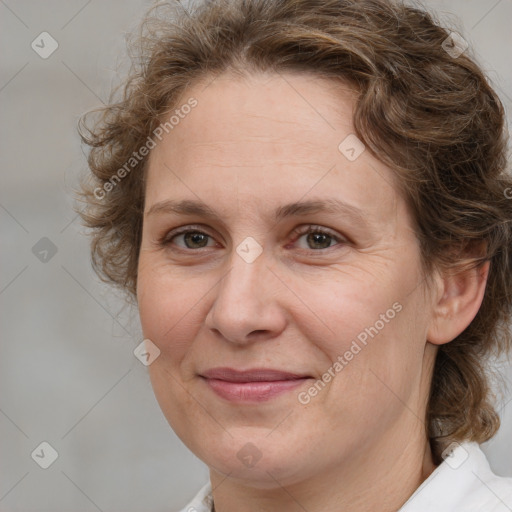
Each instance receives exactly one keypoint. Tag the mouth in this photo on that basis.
(255, 385)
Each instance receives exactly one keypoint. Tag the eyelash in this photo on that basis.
(166, 240)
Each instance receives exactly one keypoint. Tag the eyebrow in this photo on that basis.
(296, 209)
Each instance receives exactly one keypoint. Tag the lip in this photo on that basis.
(254, 385)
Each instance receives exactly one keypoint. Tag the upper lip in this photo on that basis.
(255, 374)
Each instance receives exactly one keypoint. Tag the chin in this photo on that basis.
(258, 460)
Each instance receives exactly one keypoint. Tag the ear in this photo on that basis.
(458, 301)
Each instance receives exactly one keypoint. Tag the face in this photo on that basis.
(291, 335)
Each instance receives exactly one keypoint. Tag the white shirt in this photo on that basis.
(463, 482)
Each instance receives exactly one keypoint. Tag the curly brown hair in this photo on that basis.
(428, 113)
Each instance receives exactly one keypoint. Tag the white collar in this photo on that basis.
(463, 482)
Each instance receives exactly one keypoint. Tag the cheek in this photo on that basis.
(371, 333)
(166, 309)
(345, 307)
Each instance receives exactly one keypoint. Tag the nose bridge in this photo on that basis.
(242, 303)
(247, 264)
(242, 286)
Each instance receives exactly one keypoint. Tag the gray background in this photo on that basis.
(68, 375)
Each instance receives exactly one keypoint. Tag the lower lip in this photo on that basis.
(252, 391)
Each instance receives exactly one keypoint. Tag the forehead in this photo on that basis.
(271, 137)
(306, 111)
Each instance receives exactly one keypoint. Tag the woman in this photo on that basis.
(308, 202)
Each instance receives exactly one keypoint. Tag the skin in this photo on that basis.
(250, 146)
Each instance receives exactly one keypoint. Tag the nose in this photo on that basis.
(246, 307)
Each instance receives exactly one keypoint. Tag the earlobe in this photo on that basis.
(461, 295)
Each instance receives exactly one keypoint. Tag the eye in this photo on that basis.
(188, 238)
(312, 238)
(316, 238)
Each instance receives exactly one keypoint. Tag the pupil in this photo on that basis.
(318, 238)
(196, 238)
